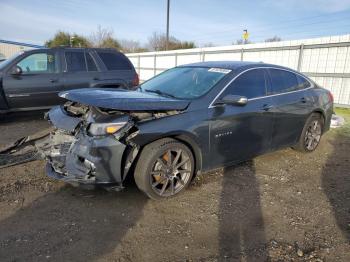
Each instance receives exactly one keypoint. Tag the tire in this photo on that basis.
(312, 131)
(165, 168)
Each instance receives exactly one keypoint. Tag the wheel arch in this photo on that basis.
(194, 147)
(322, 113)
(181, 137)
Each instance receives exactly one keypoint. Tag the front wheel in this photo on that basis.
(311, 134)
(164, 169)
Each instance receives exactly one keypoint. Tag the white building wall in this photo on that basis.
(8, 50)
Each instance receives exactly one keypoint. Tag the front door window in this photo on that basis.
(38, 63)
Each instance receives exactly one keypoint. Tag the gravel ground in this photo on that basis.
(282, 206)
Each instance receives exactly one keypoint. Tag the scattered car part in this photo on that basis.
(337, 121)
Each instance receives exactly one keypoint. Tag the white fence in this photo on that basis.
(326, 60)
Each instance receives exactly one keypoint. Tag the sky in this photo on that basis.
(218, 22)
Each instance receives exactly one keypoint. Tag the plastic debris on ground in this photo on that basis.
(337, 121)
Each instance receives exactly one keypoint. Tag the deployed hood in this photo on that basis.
(124, 100)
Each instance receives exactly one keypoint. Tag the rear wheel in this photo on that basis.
(311, 134)
(164, 169)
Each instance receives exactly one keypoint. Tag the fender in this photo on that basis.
(181, 127)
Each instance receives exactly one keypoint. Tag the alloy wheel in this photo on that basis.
(313, 135)
(171, 172)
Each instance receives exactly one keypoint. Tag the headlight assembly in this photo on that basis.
(100, 129)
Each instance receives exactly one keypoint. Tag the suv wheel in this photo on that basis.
(164, 169)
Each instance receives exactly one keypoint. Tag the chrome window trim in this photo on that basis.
(260, 97)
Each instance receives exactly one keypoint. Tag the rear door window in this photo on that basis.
(303, 82)
(250, 84)
(114, 61)
(75, 61)
(283, 81)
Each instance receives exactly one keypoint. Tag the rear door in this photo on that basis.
(80, 69)
(38, 84)
(240, 132)
(291, 106)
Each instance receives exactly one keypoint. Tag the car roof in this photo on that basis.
(233, 65)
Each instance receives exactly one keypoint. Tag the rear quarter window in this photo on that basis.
(283, 81)
(303, 82)
(114, 61)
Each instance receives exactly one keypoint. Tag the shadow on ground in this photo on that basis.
(241, 229)
(336, 182)
(22, 116)
(70, 225)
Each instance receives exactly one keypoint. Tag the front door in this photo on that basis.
(239, 132)
(38, 83)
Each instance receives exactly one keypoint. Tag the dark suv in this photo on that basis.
(32, 79)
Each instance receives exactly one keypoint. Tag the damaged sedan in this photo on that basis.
(188, 119)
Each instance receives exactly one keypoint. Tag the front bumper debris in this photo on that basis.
(80, 159)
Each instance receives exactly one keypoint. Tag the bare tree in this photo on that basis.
(241, 42)
(238, 42)
(273, 39)
(157, 42)
(210, 44)
(131, 46)
(103, 37)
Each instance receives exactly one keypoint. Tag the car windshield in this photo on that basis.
(3, 64)
(184, 82)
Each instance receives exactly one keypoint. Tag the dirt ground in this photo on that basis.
(282, 206)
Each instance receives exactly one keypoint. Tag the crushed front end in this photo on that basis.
(79, 158)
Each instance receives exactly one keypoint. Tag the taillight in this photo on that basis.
(330, 96)
(136, 80)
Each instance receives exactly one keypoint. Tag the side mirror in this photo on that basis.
(16, 70)
(233, 100)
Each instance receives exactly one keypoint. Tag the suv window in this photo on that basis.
(250, 84)
(90, 63)
(75, 61)
(302, 82)
(38, 63)
(283, 81)
(114, 61)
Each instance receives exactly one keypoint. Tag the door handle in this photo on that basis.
(303, 100)
(266, 107)
(53, 80)
(96, 78)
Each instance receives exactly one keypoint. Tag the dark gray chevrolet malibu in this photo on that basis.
(187, 119)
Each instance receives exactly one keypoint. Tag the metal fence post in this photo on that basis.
(203, 56)
(300, 58)
(139, 64)
(175, 59)
(155, 65)
(242, 53)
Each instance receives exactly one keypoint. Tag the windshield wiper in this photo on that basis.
(159, 92)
